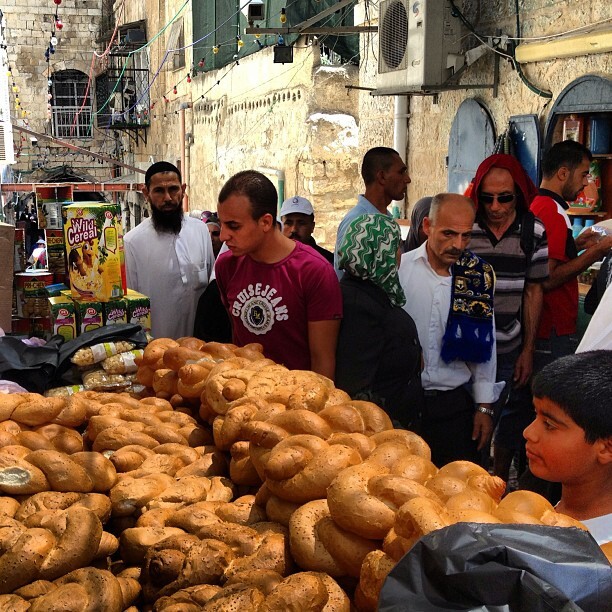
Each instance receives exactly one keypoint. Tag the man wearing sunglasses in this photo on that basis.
(513, 241)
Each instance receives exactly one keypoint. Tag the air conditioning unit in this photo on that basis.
(419, 46)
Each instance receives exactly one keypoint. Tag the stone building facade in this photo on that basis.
(301, 123)
(306, 124)
(30, 26)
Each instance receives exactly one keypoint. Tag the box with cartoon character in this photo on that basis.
(94, 249)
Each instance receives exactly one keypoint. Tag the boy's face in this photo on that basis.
(556, 447)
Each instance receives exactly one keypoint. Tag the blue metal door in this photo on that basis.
(472, 139)
(525, 135)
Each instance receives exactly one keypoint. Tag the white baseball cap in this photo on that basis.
(297, 204)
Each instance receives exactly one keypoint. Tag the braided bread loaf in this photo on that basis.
(44, 437)
(131, 496)
(98, 503)
(49, 470)
(34, 410)
(264, 590)
(374, 570)
(83, 589)
(69, 541)
(319, 544)
(221, 551)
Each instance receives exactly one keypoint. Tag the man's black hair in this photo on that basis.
(376, 159)
(581, 385)
(161, 166)
(258, 188)
(568, 154)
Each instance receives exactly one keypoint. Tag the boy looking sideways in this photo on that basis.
(570, 440)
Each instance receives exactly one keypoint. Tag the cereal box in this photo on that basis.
(89, 316)
(63, 317)
(115, 312)
(94, 247)
(139, 309)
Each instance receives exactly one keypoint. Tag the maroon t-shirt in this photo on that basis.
(273, 303)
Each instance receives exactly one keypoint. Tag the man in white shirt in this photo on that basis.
(458, 343)
(169, 256)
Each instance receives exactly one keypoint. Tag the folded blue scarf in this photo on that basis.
(469, 334)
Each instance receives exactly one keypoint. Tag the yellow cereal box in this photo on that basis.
(63, 317)
(89, 316)
(139, 309)
(94, 249)
(115, 312)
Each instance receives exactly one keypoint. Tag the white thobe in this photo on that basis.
(172, 270)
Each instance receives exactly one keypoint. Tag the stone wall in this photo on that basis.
(29, 27)
(299, 121)
(431, 118)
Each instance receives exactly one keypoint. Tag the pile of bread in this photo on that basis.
(232, 482)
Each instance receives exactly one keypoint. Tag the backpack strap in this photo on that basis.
(527, 236)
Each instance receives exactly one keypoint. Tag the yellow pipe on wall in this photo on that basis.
(583, 44)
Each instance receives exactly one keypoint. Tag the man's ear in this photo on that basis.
(267, 222)
(426, 226)
(604, 450)
(145, 193)
(563, 173)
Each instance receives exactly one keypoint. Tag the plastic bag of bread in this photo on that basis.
(99, 380)
(122, 363)
(99, 352)
(64, 391)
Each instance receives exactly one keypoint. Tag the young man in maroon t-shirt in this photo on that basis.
(278, 292)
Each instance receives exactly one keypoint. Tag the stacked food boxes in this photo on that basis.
(93, 238)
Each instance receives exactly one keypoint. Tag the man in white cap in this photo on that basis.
(297, 216)
(38, 259)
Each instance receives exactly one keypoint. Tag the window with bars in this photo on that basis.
(71, 108)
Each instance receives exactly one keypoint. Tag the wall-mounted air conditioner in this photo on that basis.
(419, 46)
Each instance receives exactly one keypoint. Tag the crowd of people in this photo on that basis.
(457, 332)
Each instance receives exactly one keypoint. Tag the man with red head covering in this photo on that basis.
(513, 241)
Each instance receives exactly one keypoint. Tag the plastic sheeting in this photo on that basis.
(501, 568)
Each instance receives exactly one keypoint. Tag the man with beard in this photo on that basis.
(169, 256)
(449, 295)
(386, 177)
(298, 220)
(565, 169)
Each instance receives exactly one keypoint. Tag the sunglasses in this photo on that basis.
(216, 233)
(502, 198)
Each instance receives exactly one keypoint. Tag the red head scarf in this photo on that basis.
(522, 181)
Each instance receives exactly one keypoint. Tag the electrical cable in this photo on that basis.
(519, 70)
(533, 88)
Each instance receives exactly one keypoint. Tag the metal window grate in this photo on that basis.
(68, 91)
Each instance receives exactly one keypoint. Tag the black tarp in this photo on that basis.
(38, 368)
(501, 568)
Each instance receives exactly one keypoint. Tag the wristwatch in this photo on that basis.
(485, 410)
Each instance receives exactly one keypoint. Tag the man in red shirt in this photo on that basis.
(278, 292)
(565, 169)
